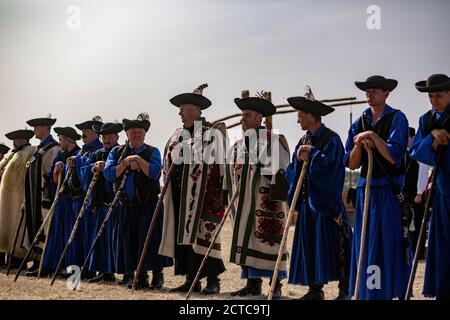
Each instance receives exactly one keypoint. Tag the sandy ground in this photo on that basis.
(37, 289)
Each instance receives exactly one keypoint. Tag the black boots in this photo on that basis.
(187, 285)
(277, 291)
(103, 277)
(142, 282)
(33, 270)
(315, 293)
(15, 262)
(86, 275)
(212, 286)
(343, 291)
(157, 280)
(2, 260)
(253, 287)
(127, 278)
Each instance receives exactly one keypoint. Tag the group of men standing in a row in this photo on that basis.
(198, 193)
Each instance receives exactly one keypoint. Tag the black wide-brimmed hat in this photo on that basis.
(47, 121)
(259, 104)
(309, 104)
(3, 149)
(377, 82)
(435, 83)
(97, 120)
(142, 122)
(195, 98)
(68, 132)
(20, 134)
(108, 128)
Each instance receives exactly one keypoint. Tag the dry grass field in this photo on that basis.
(34, 289)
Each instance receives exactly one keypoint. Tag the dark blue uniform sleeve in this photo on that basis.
(292, 173)
(85, 170)
(326, 175)
(349, 144)
(421, 149)
(110, 166)
(155, 165)
(397, 141)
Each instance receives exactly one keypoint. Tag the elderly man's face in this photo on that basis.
(89, 136)
(250, 119)
(136, 137)
(306, 120)
(110, 140)
(17, 143)
(64, 143)
(376, 97)
(439, 100)
(41, 132)
(189, 113)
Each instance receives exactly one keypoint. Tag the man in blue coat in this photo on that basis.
(321, 246)
(137, 205)
(102, 258)
(77, 253)
(386, 259)
(432, 138)
(58, 229)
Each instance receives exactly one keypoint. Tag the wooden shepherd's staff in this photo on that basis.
(75, 227)
(364, 222)
(213, 240)
(152, 226)
(48, 217)
(286, 228)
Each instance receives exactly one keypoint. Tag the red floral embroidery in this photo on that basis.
(212, 206)
(268, 205)
(272, 227)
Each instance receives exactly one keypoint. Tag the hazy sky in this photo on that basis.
(133, 56)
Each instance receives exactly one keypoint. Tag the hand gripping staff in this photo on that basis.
(286, 228)
(48, 218)
(102, 227)
(364, 222)
(75, 227)
(152, 225)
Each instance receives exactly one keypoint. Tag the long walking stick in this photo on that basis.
(69, 172)
(423, 227)
(75, 227)
(152, 225)
(102, 227)
(286, 228)
(16, 236)
(60, 188)
(364, 223)
(213, 240)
